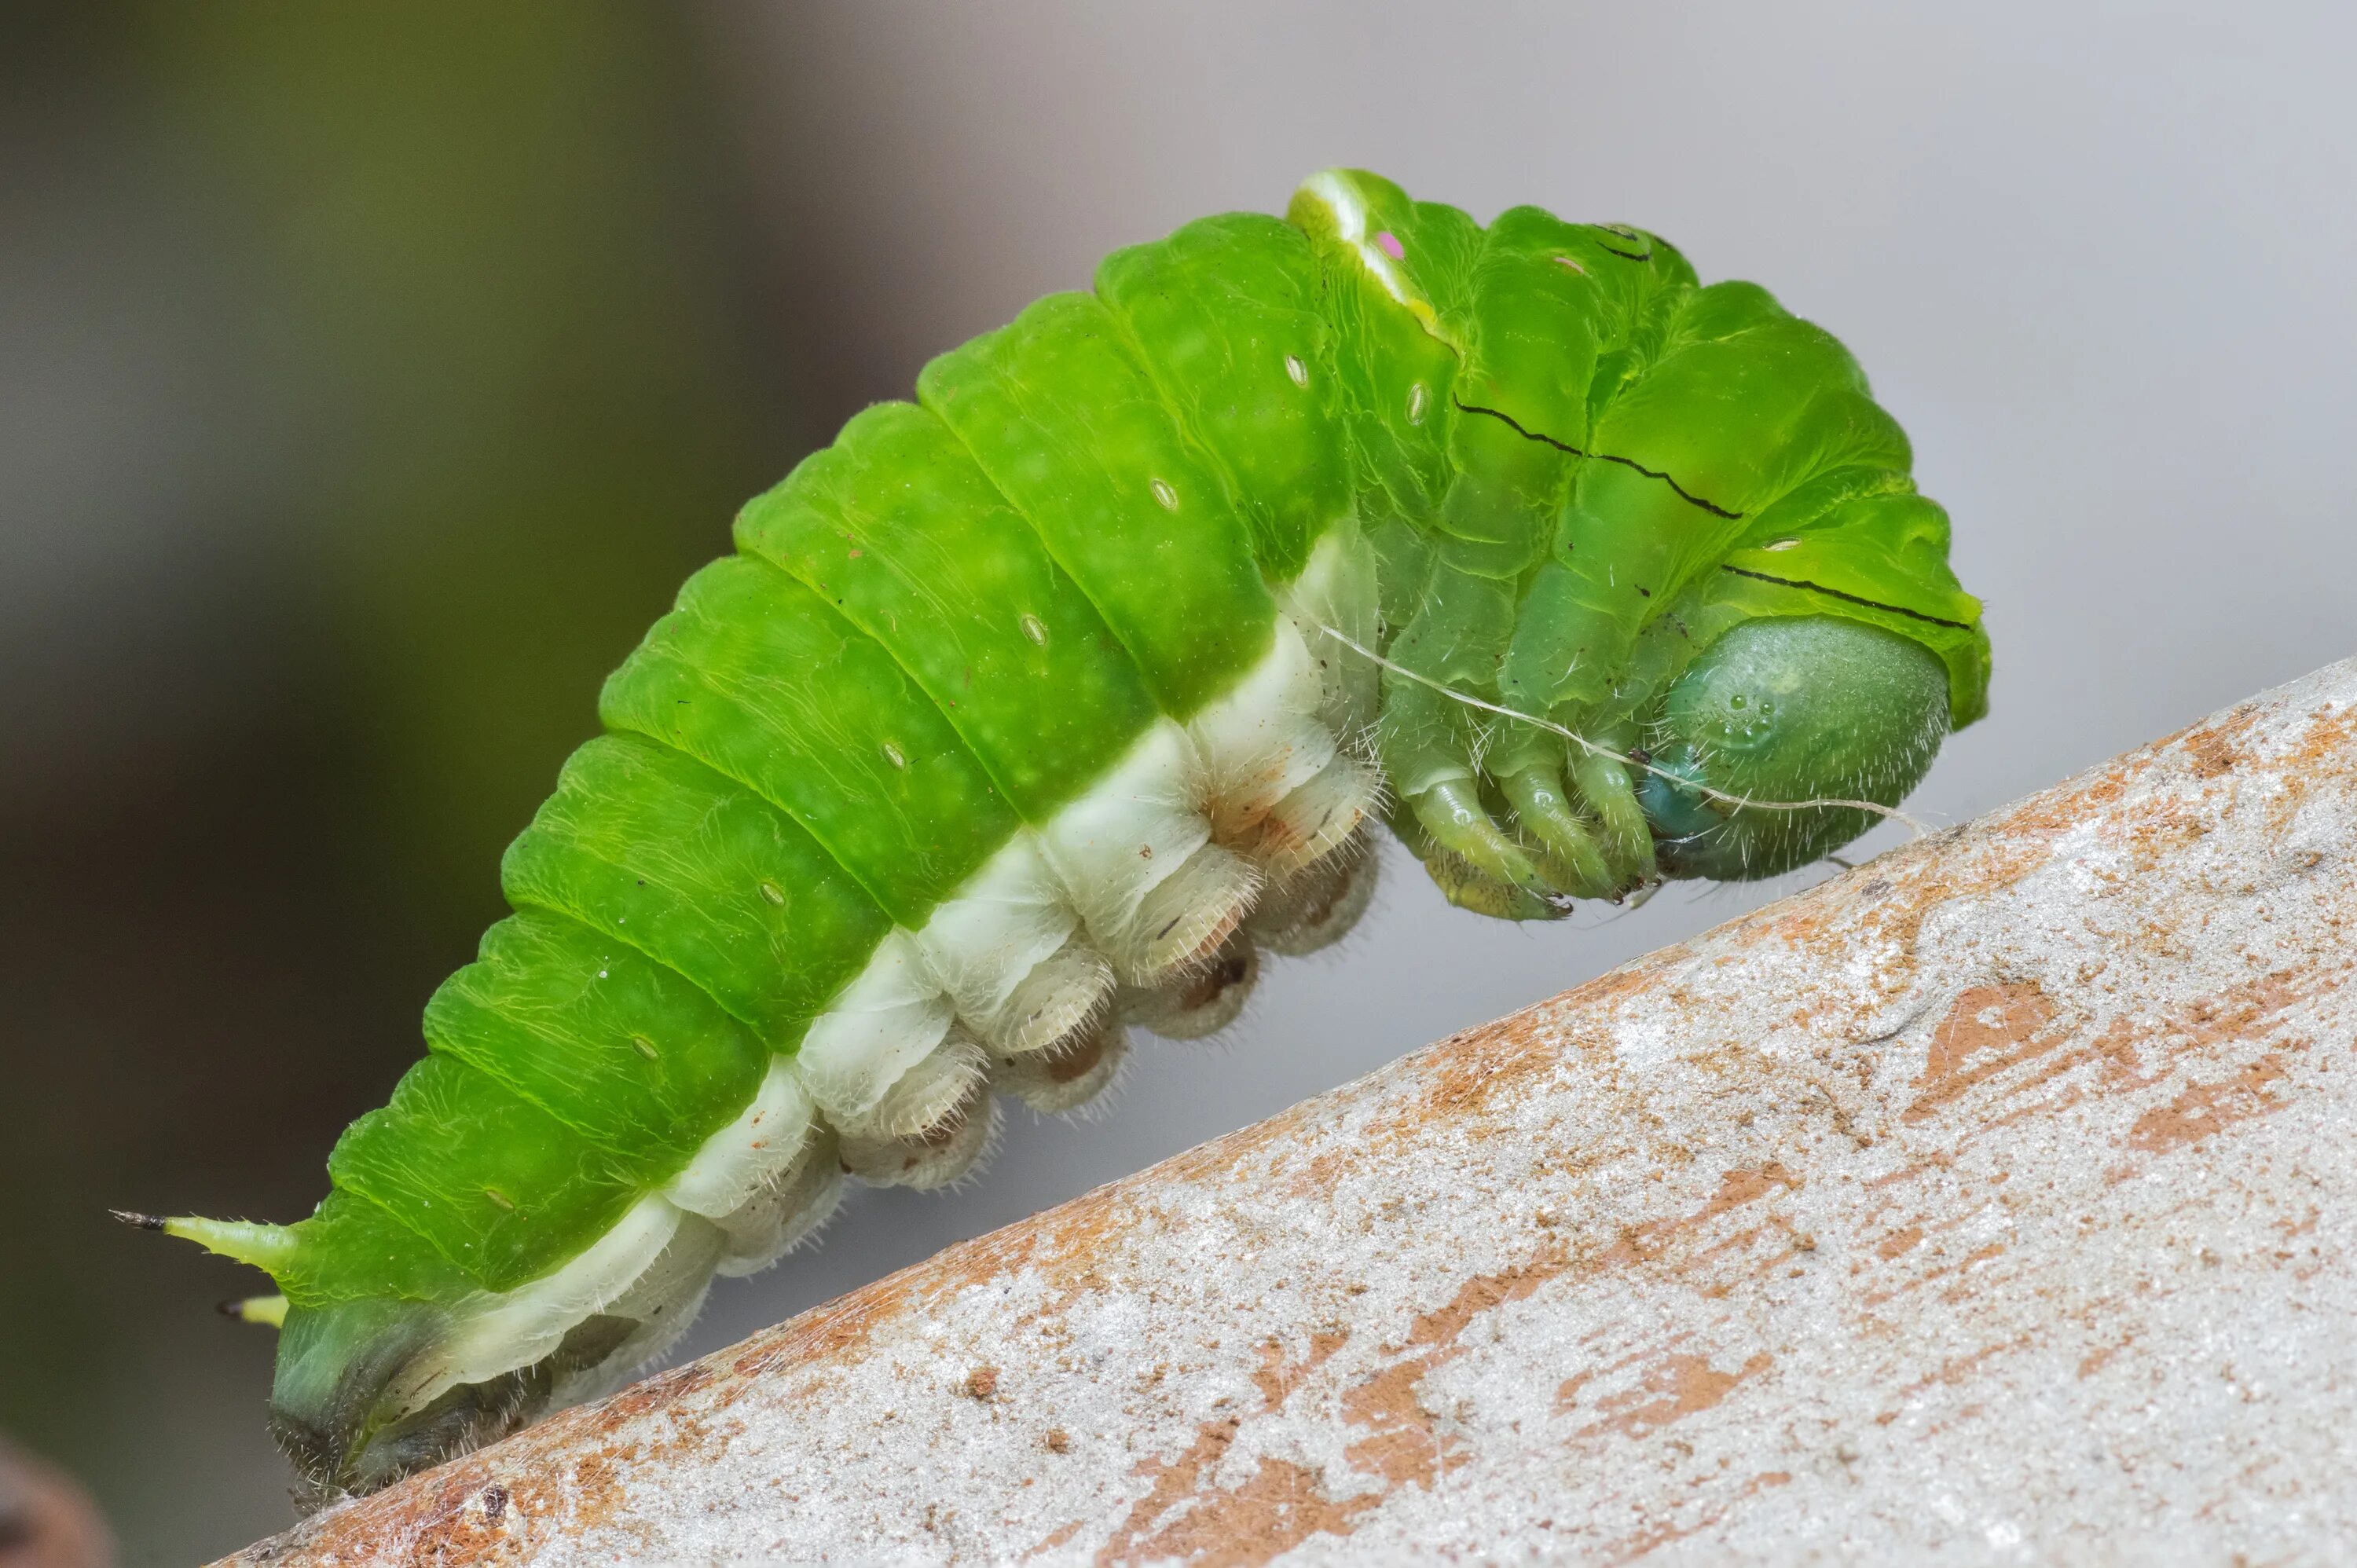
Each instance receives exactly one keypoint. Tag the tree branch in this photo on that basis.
(1997, 1192)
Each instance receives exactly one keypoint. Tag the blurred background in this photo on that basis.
(371, 375)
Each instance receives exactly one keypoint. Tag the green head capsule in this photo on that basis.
(1786, 712)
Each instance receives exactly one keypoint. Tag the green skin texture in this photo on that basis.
(1579, 472)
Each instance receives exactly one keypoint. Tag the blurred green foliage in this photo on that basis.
(494, 245)
(497, 294)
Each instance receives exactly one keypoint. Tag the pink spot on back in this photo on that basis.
(1388, 243)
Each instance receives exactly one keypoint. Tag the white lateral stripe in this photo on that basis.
(518, 1328)
(882, 1023)
(1314, 820)
(774, 1218)
(995, 929)
(1126, 834)
(751, 1152)
(1095, 862)
(1264, 738)
(1337, 588)
(929, 1089)
(661, 1301)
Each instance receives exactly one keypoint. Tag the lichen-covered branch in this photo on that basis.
(1996, 1195)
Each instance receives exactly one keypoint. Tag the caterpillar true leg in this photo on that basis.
(1604, 785)
(1537, 795)
(1454, 818)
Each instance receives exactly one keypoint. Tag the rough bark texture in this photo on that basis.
(1993, 1201)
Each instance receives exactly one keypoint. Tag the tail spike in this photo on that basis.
(270, 1311)
(269, 1248)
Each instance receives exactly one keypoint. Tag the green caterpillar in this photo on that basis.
(1043, 704)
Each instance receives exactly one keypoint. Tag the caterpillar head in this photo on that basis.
(1787, 710)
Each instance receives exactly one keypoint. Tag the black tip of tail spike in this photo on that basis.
(136, 1220)
(234, 1308)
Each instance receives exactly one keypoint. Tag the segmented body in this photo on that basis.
(1044, 702)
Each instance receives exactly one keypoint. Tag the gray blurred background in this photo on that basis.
(370, 374)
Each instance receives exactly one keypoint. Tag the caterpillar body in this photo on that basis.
(1041, 706)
